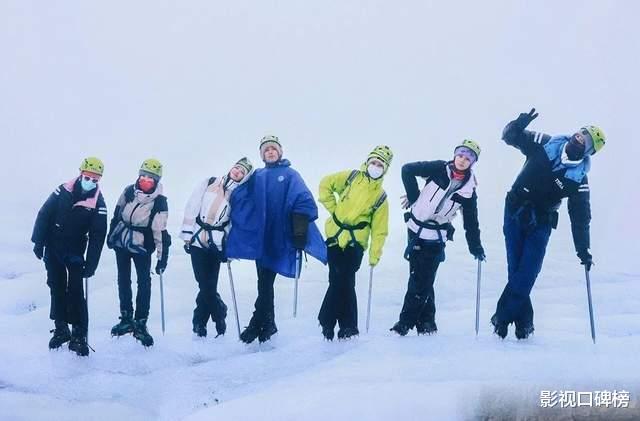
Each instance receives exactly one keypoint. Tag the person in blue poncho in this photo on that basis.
(272, 221)
(556, 167)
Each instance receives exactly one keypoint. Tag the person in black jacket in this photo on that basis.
(72, 220)
(449, 186)
(555, 168)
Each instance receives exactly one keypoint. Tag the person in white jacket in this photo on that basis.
(204, 231)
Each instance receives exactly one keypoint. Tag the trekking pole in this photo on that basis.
(86, 300)
(295, 288)
(369, 302)
(593, 328)
(478, 297)
(162, 301)
(233, 297)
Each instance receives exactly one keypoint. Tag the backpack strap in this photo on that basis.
(159, 204)
(381, 199)
(352, 176)
(379, 202)
(129, 194)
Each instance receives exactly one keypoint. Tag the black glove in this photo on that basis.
(299, 242)
(478, 253)
(161, 266)
(88, 272)
(300, 224)
(524, 119)
(38, 250)
(187, 248)
(585, 258)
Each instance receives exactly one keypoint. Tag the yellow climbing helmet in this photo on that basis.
(152, 166)
(92, 164)
(598, 137)
(470, 144)
(383, 153)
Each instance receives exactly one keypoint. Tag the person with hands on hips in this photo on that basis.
(359, 216)
(138, 228)
(555, 168)
(449, 187)
(72, 222)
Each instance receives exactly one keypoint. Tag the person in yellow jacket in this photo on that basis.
(359, 211)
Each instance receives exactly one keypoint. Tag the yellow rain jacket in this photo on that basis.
(354, 204)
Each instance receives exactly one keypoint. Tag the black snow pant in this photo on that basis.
(206, 268)
(64, 278)
(340, 302)
(264, 312)
(419, 301)
(142, 263)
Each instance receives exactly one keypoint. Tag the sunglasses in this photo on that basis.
(88, 178)
(582, 136)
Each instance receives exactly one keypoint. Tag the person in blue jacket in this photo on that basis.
(272, 221)
(556, 167)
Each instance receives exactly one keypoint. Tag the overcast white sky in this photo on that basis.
(196, 84)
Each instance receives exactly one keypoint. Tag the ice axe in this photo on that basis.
(295, 288)
(162, 301)
(369, 302)
(86, 300)
(478, 296)
(593, 327)
(233, 297)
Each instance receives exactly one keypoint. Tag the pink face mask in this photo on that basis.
(146, 184)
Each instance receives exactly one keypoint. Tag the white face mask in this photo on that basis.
(375, 171)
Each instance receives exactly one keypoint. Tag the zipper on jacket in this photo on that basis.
(434, 194)
(132, 212)
(452, 205)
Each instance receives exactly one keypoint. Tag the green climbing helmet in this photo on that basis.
(92, 164)
(383, 153)
(152, 166)
(468, 143)
(598, 137)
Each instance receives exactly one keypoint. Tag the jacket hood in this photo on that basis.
(89, 201)
(278, 163)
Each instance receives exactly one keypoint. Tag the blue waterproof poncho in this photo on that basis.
(261, 227)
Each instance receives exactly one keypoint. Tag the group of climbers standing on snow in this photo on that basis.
(268, 215)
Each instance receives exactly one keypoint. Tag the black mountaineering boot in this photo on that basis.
(523, 330)
(348, 332)
(200, 330)
(221, 327)
(125, 326)
(269, 329)
(78, 343)
(400, 328)
(499, 328)
(141, 333)
(328, 333)
(426, 328)
(61, 334)
(251, 332)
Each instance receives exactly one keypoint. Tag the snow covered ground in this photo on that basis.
(451, 375)
(197, 85)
